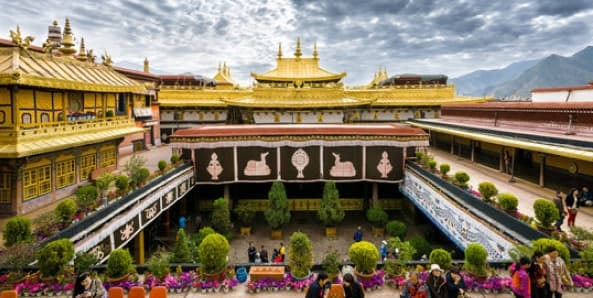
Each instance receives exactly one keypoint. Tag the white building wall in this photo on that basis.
(581, 95)
(298, 117)
(556, 96)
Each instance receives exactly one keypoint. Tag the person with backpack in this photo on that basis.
(413, 288)
(437, 286)
(521, 284)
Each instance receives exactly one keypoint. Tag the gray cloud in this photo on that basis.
(424, 36)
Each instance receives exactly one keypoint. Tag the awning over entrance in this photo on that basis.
(558, 147)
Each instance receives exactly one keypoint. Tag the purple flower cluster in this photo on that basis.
(288, 282)
(581, 281)
(374, 282)
(126, 284)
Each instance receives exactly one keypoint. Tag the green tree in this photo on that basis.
(364, 255)
(445, 168)
(221, 216)
(542, 245)
(158, 264)
(300, 254)
(330, 212)
(487, 190)
(196, 240)
(123, 184)
(545, 212)
(162, 165)
(103, 183)
(17, 229)
(54, 256)
(441, 257)
(83, 261)
(65, 210)
(508, 201)
(277, 215)
(174, 158)
(421, 245)
(461, 179)
(86, 197)
(181, 251)
(377, 216)
(396, 228)
(475, 259)
(133, 168)
(213, 252)
(120, 263)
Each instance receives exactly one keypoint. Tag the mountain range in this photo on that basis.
(518, 79)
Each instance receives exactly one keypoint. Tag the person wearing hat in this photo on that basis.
(383, 250)
(437, 286)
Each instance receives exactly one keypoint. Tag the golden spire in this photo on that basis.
(219, 69)
(224, 70)
(146, 65)
(315, 54)
(67, 40)
(298, 52)
(279, 50)
(82, 52)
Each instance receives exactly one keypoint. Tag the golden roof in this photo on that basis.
(27, 68)
(176, 98)
(41, 140)
(413, 95)
(223, 75)
(301, 103)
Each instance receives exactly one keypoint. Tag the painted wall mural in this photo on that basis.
(461, 227)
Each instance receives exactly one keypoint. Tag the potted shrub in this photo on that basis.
(432, 165)
(174, 158)
(17, 229)
(245, 216)
(181, 251)
(158, 264)
(300, 255)
(508, 202)
(213, 252)
(65, 211)
(444, 168)
(221, 216)
(543, 243)
(396, 228)
(378, 218)
(364, 255)
(330, 212)
(421, 245)
(83, 261)
(86, 197)
(119, 265)
(331, 264)
(277, 214)
(487, 191)
(54, 256)
(103, 183)
(405, 253)
(162, 165)
(461, 178)
(197, 238)
(546, 214)
(441, 257)
(18, 255)
(123, 184)
(475, 260)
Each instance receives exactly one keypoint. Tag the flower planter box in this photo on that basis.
(272, 272)
(276, 235)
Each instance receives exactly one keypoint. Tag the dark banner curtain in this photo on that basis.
(384, 163)
(257, 163)
(342, 163)
(215, 165)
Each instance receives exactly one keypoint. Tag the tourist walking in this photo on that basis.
(88, 287)
(560, 203)
(558, 274)
(263, 253)
(455, 283)
(182, 222)
(251, 252)
(538, 273)
(384, 250)
(282, 251)
(352, 289)
(521, 283)
(358, 234)
(413, 288)
(317, 288)
(437, 286)
(572, 205)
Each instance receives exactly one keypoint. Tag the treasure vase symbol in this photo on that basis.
(300, 160)
(384, 167)
(214, 167)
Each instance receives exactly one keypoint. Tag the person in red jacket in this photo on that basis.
(521, 285)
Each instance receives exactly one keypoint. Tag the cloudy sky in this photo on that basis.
(451, 37)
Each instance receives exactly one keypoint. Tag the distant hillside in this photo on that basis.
(553, 71)
(475, 83)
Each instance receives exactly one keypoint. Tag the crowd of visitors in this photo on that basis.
(261, 256)
(568, 204)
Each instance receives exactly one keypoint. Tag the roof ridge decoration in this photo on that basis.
(298, 53)
(106, 59)
(68, 40)
(23, 43)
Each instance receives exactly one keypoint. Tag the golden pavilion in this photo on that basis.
(62, 117)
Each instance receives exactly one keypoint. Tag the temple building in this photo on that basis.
(299, 91)
(62, 117)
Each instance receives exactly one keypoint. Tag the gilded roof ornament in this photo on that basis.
(82, 52)
(23, 43)
(146, 65)
(90, 56)
(315, 53)
(279, 50)
(298, 53)
(106, 59)
(47, 46)
(67, 40)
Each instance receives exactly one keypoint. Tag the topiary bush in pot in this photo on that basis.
(119, 264)
(546, 212)
(245, 215)
(213, 252)
(54, 256)
(197, 238)
(396, 228)
(17, 229)
(300, 255)
(174, 158)
(441, 257)
(331, 263)
(475, 259)
(65, 211)
(162, 165)
(508, 202)
(83, 261)
(86, 197)
(364, 255)
(181, 251)
(221, 216)
(377, 216)
(158, 264)
(330, 212)
(421, 245)
(444, 168)
(460, 179)
(487, 191)
(278, 213)
(542, 244)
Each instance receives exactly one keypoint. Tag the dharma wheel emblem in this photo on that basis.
(300, 160)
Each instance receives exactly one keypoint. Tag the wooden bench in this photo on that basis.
(261, 272)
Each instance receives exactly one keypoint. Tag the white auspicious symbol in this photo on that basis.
(214, 167)
(384, 167)
(97, 252)
(182, 188)
(169, 198)
(257, 167)
(127, 232)
(150, 212)
(342, 168)
(300, 160)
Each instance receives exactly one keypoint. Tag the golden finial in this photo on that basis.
(90, 56)
(146, 65)
(82, 52)
(298, 52)
(47, 46)
(106, 59)
(67, 40)
(219, 68)
(224, 70)
(315, 54)
(55, 23)
(279, 50)
(23, 43)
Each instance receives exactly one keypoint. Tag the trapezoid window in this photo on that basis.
(26, 118)
(65, 173)
(44, 117)
(88, 163)
(5, 197)
(36, 182)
